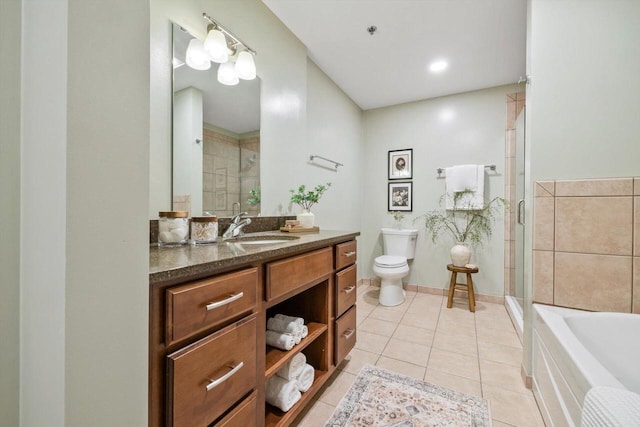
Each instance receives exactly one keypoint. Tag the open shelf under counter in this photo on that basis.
(275, 417)
(277, 358)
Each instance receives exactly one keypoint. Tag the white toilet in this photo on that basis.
(399, 246)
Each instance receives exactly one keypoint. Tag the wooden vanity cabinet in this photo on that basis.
(345, 299)
(209, 367)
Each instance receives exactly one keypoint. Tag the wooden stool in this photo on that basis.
(464, 287)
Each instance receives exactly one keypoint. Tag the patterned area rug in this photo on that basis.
(380, 398)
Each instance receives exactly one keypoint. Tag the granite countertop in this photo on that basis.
(183, 262)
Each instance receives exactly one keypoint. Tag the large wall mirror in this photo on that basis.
(216, 139)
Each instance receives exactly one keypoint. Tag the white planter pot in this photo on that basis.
(307, 219)
(460, 254)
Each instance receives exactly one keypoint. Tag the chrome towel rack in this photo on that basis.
(490, 167)
(335, 164)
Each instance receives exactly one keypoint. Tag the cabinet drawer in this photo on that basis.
(209, 376)
(346, 254)
(243, 415)
(289, 274)
(345, 289)
(345, 334)
(206, 303)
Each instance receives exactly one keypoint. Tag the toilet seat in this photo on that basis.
(390, 261)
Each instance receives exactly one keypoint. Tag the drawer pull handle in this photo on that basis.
(347, 334)
(226, 301)
(214, 383)
(349, 289)
(352, 253)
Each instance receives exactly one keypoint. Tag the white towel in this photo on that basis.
(298, 320)
(305, 379)
(297, 336)
(469, 201)
(611, 407)
(282, 325)
(280, 340)
(304, 331)
(282, 393)
(292, 369)
(461, 177)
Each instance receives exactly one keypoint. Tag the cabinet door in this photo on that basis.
(345, 289)
(345, 338)
(244, 415)
(208, 377)
(203, 304)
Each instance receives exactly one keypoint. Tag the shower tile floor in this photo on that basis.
(476, 353)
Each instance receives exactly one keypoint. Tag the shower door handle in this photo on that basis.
(520, 211)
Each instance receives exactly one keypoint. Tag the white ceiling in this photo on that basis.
(482, 40)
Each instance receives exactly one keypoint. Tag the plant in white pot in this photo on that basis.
(305, 199)
(464, 223)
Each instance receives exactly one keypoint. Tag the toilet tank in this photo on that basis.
(400, 242)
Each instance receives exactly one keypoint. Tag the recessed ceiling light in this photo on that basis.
(438, 66)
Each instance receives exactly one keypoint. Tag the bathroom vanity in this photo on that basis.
(209, 305)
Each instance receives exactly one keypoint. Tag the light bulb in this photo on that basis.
(196, 57)
(227, 74)
(245, 66)
(216, 46)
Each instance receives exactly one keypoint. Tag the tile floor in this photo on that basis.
(478, 354)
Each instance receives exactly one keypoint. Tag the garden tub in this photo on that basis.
(575, 350)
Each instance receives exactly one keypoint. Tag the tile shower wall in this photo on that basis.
(586, 244)
(228, 161)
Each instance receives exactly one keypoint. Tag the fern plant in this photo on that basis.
(462, 222)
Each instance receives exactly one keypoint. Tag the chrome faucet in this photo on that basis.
(236, 226)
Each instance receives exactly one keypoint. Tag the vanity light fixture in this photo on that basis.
(223, 47)
(196, 57)
(227, 74)
(216, 46)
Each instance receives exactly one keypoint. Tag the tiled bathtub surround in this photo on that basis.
(586, 244)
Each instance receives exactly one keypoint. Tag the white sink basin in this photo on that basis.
(263, 240)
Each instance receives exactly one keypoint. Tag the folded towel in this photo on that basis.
(305, 379)
(280, 340)
(468, 201)
(282, 325)
(282, 393)
(461, 177)
(292, 369)
(297, 336)
(304, 332)
(611, 407)
(298, 320)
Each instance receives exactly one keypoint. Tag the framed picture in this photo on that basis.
(401, 164)
(400, 196)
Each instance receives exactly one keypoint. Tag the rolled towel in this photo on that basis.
(304, 332)
(280, 340)
(305, 379)
(297, 336)
(282, 393)
(298, 320)
(282, 325)
(292, 369)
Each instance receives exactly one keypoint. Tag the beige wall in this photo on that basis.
(10, 30)
(585, 244)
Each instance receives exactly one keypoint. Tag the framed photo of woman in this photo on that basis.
(400, 196)
(401, 164)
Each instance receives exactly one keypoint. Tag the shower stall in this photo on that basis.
(514, 219)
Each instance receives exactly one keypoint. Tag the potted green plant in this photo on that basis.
(465, 224)
(305, 199)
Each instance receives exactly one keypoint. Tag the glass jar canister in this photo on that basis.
(204, 229)
(173, 228)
